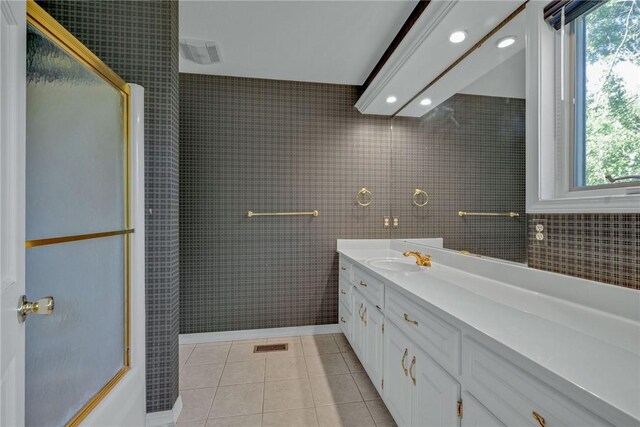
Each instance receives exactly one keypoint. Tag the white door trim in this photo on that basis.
(12, 208)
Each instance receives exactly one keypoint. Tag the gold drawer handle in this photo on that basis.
(344, 268)
(364, 318)
(342, 292)
(404, 356)
(406, 317)
(539, 418)
(413, 363)
(360, 311)
(363, 284)
(342, 319)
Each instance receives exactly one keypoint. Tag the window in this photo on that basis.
(605, 50)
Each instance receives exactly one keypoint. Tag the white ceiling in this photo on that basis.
(315, 41)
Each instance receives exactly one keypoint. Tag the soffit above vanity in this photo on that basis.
(425, 52)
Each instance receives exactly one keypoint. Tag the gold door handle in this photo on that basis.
(342, 292)
(539, 418)
(413, 362)
(404, 356)
(363, 284)
(342, 319)
(43, 306)
(406, 317)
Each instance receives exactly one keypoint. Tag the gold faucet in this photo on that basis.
(421, 260)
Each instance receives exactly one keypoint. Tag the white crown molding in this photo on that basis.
(424, 26)
(250, 334)
(165, 418)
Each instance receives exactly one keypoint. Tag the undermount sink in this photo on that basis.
(394, 264)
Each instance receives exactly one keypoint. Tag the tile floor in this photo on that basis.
(317, 382)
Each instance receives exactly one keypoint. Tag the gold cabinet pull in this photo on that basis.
(406, 317)
(404, 356)
(363, 284)
(413, 362)
(344, 268)
(342, 292)
(364, 316)
(539, 418)
(342, 319)
(360, 311)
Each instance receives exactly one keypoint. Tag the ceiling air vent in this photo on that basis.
(200, 51)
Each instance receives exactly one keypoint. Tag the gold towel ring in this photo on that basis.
(415, 197)
(362, 194)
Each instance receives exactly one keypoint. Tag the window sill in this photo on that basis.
(629, 203)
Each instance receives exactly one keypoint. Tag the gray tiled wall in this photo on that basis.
(264, 145)
(139, 41)
(602, 247)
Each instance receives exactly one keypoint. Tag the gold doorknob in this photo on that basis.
(42, 306)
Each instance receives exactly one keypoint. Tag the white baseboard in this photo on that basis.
(250, 334)
(165, 418)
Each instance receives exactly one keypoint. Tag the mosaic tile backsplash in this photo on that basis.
(139, 41)
(601, 247)
(271, 146)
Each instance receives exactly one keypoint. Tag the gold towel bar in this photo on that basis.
(252, 213)
(509, 214)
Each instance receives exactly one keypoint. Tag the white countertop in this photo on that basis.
(589, 343)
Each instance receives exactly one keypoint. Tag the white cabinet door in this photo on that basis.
(476, 415)
(374, 344)
(435, 393)
(358, 331)
(397, 385)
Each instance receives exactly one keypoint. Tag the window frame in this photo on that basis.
(550, 131)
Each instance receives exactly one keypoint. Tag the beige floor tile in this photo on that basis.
(287, 394)
(289, 340)
(184, 353)
(294, 350)
(326, 364)
(345, 415)
(192, 424)
(241, 352)
(353, 362)
(319, 344)
(334, 389)
(254, 341)
(208, 355)
(200, 376)
(295, 417)
(209, 344)
(196, 404)
(240, 399)
(254, 420)
(380, 413)
(366, 387)
(287, 368)
(251, 371)
(343, 343)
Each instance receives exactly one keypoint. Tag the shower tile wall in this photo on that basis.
(602, 247)
(139, 41)
(269, 146)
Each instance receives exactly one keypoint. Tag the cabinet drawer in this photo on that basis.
(370, 287)
(344, 320)
(346, 269)
(344, 293)
(438, 338)
(514, 395)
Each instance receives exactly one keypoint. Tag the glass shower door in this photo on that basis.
(77, 225)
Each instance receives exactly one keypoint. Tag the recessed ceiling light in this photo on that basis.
(506, 41)
(458, 36)
(425, 101)
(391, 99)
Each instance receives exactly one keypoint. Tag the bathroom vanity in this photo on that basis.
(475, 341)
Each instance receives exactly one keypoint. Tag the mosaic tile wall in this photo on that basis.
(602, 247)
(269, 146)
(139, 41)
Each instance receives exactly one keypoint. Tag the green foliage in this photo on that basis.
(613, 114)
